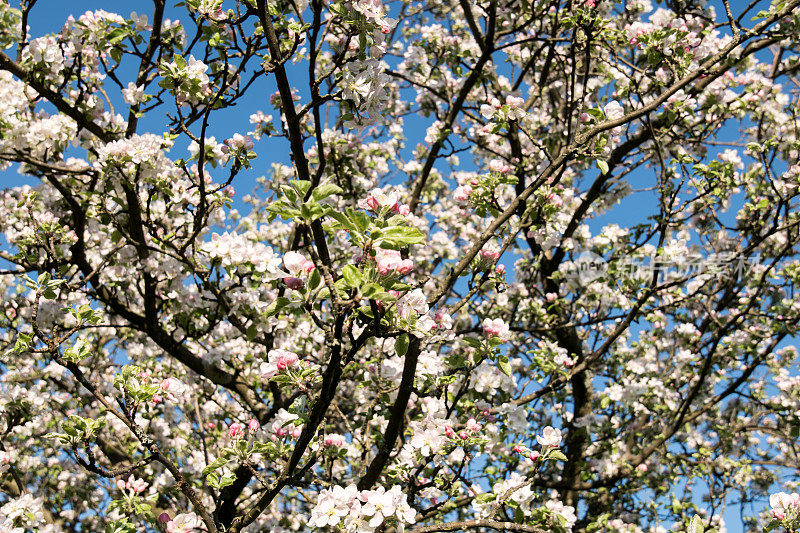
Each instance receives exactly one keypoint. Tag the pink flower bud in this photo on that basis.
(253, 425)
(236, 430)
(405, 266)
(490, 255)
(534, 456)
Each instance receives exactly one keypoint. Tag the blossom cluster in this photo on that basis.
(361, 511)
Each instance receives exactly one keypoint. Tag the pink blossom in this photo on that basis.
(379, 200)
(333, 440)
(514, 101)
(294, 262)
(236, 430)
(278, 360)
(555, 200)
(784, 504)
(172, 388)
(387, 260)
(495, 165)
(495, 328)
(462, 193)
(286, 359)
(550, 437)
(490, 254)
(184, 523)
(390, 261)
(443, 320)
(253, 425)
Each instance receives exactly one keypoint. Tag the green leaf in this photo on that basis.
(596, 113)
(217, 463)
(342, 219)
(403, 235)
(485, 497)
(472, 341)
(695, 525)
(301, 186)
(401, 344)
(120, 526)
(276, 306)
(314, 280)
(603, 166)
(557, 455)
(503, 365)
(370, 290)
(352, 276)
(251, 332)
(325, 190)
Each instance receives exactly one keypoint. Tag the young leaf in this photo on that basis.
(401, 344)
